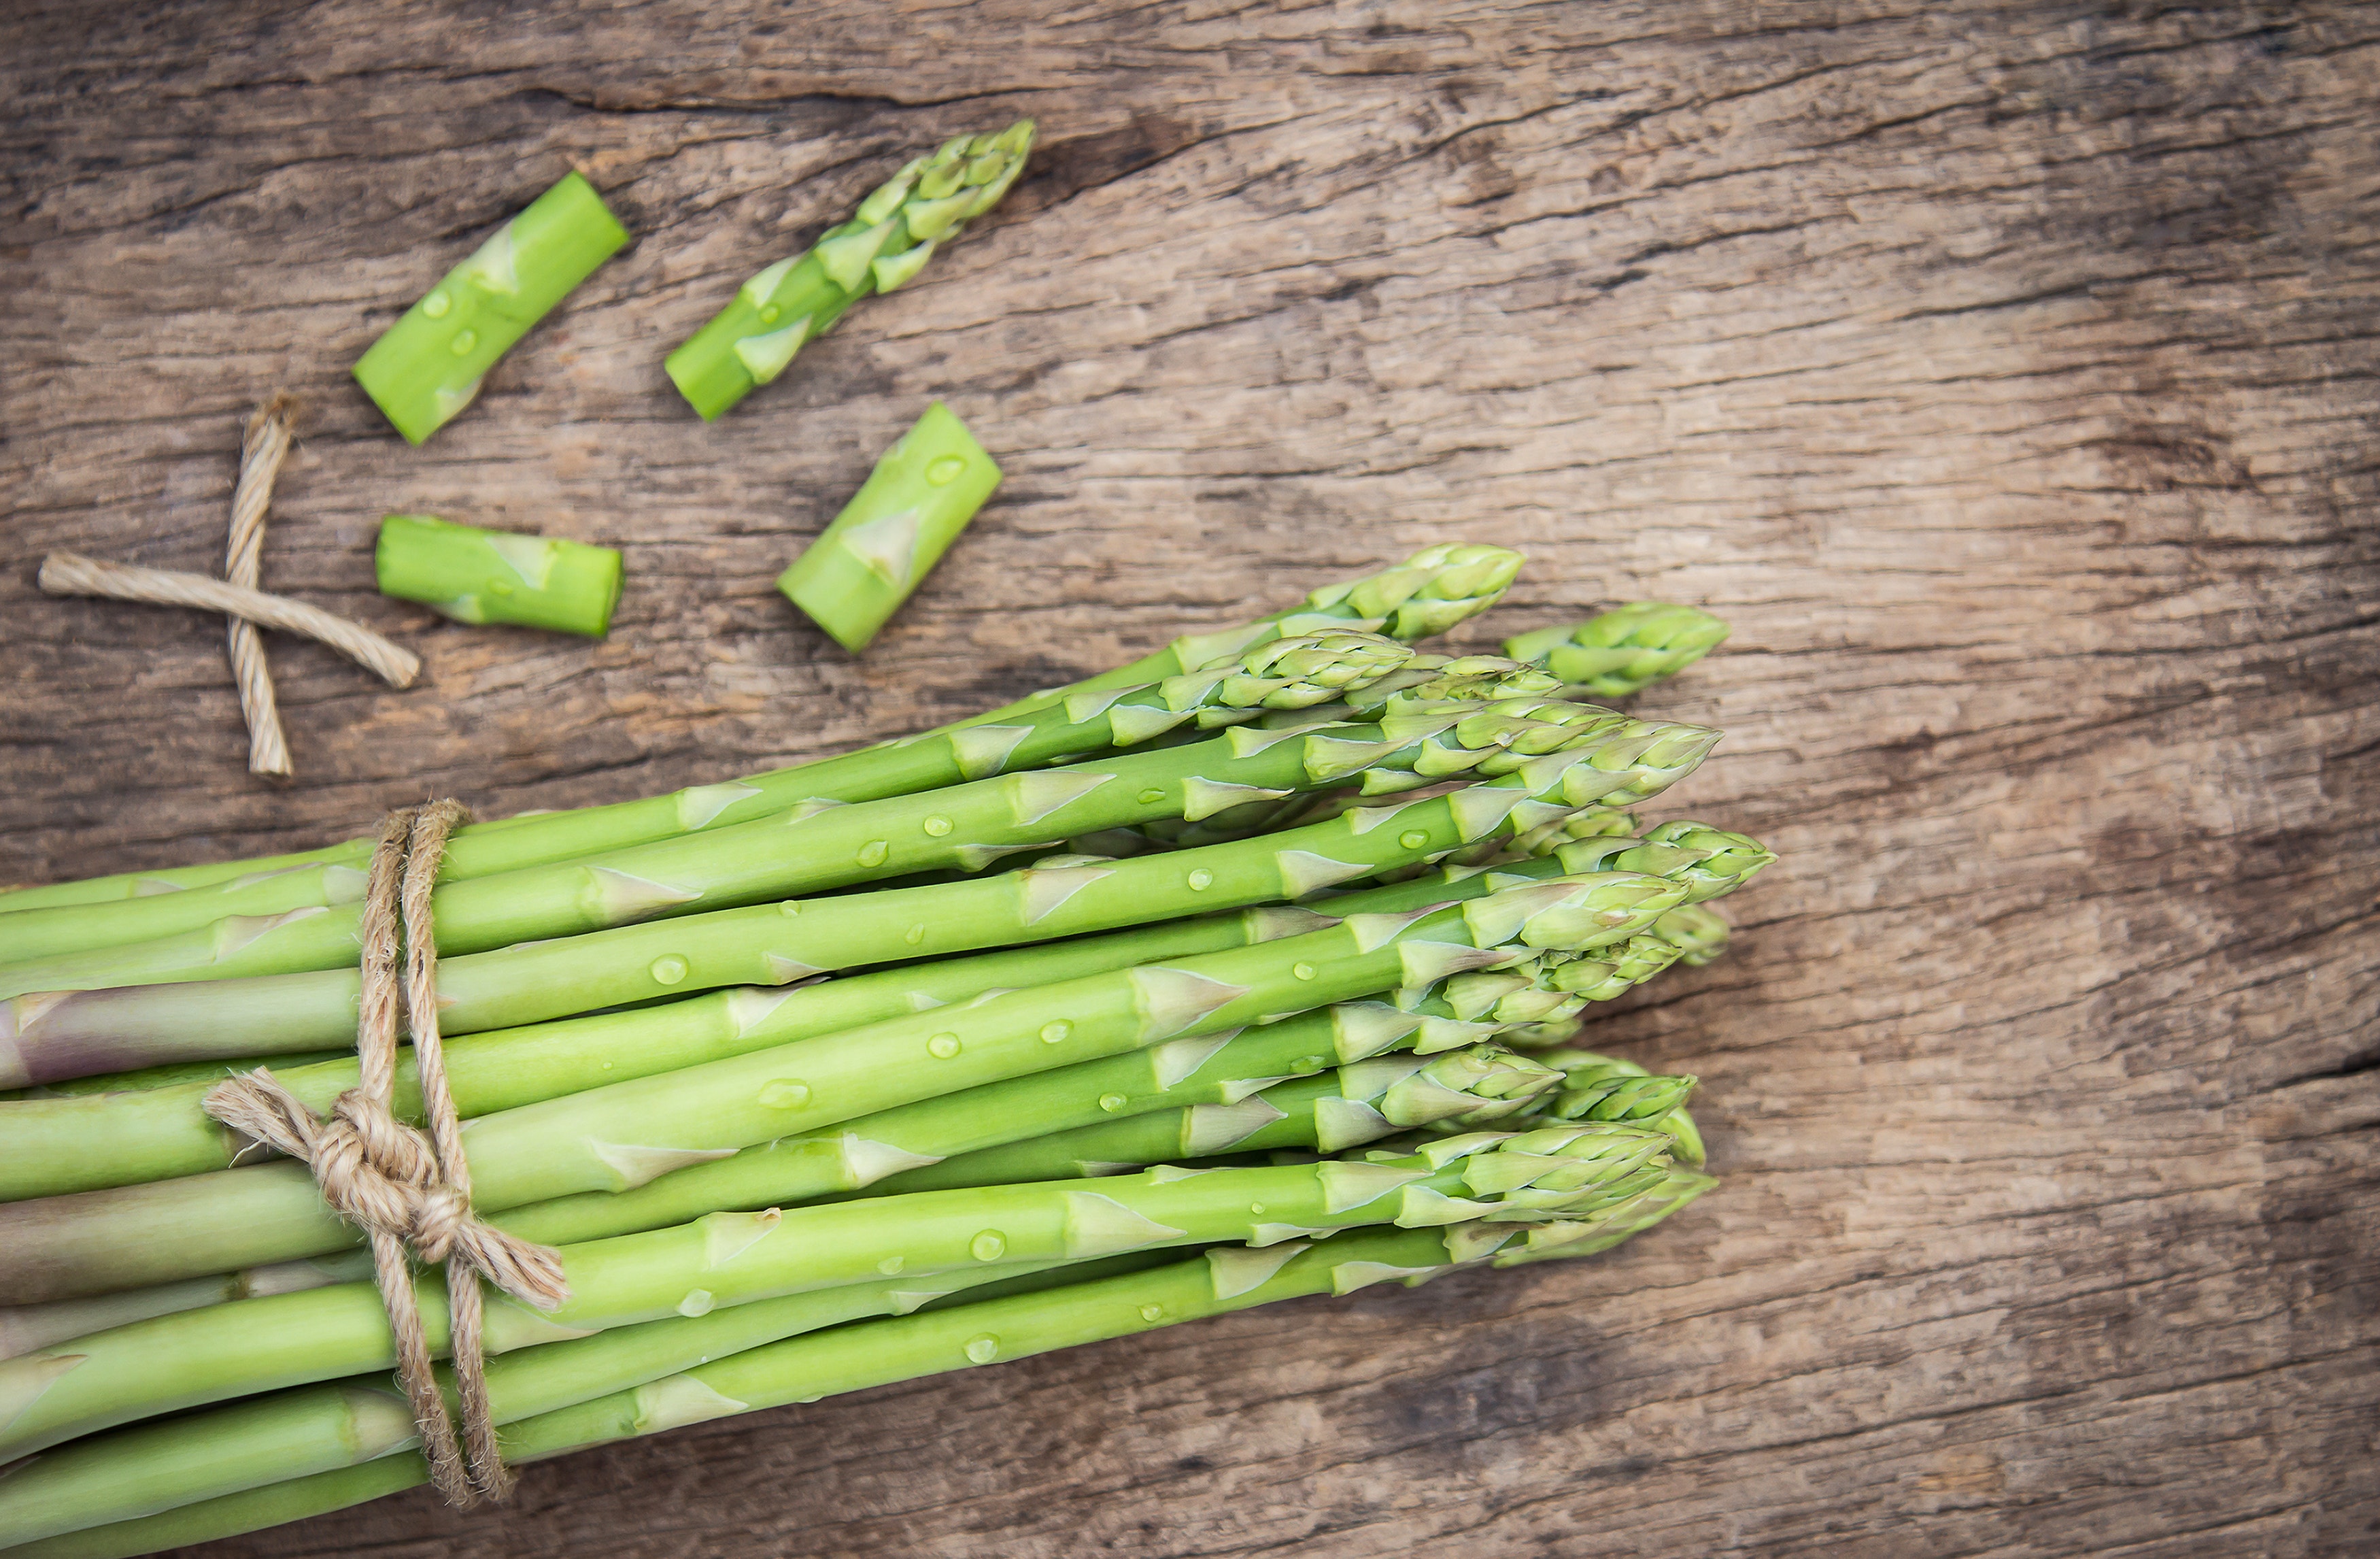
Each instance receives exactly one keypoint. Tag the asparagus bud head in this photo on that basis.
(1430, 592)
(1585, 1070)
(1698, 933)
(1624, 650)
(1295, 672)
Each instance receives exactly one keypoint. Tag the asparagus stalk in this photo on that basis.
(887, 241)
(1221, 1069)
(895, 529)
(804, 1367)
(24, 1328)
(429, 365)
(1474, 1006)
(1569, 1173)
(1343, 1108)
(963, 823)
(156, 1466)
(1428, 593)
(50, 1034)
(1284, 674)
(620, 1137)
(52, 1147)
(1622, 652)
(475, 575)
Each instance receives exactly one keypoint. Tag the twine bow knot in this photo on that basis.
(406, 1187)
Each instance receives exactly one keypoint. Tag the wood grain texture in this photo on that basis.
(2008, 374)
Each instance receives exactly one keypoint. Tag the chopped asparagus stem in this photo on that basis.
(475, 575)
(894, 529)
(429, 365)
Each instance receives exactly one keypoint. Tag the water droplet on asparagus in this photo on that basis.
(437, 304)
(1201, 880)
(874, 852)
(1053, 1032)
(785, 1093)
(983, 1349)
(915, 934)
(891, 1266)
(1152, 1312)
(1413, 838)
(667, 970)
(697, 1301)
(769, 314)
(463, 341)
(1112, 1102)
(942, 1046)
(1303, 971)
(945, 470)
(938, 825)
(989, 1246)
(1152, 796)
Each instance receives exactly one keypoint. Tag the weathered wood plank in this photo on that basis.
(2008, 375)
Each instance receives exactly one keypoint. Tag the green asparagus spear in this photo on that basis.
(475, 575)
(887, 241)
(53, 1034)
(879, 1352)
(1219, 1069)
(988, 1326)
(54, 1146)
(1623, 652)
(1281, 674)
(1427, 594)
(1331, 1112)
(428, 366)
(1570, 1172)
(149, 1467)
(895, 529)
(620, 1137)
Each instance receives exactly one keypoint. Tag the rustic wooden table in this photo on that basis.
(2007, 374)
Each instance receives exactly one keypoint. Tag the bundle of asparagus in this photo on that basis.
(1222, 978)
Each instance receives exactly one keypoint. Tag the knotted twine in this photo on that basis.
(400, 1185)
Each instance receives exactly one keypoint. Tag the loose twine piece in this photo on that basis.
(263, 448)
(400, 1185)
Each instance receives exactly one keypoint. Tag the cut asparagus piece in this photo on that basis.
(429, 365)
(1622, 651)
(475, 575)
(1570, 1173)
(49, 1148)
(1427, 594)
(623, 1136)
(887, 239)
(895, 529)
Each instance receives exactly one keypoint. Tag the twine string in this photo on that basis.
(403, 1187)
(263, 448)
(71, 573)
